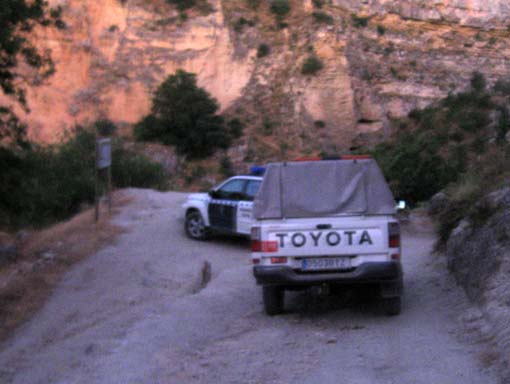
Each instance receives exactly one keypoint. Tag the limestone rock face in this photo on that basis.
(480, 13)
(113, 54)
(381, 59)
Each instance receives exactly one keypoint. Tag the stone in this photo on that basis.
(8, 253)
(23, 236)
(438, 203)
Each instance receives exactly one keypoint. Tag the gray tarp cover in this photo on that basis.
(323, 188)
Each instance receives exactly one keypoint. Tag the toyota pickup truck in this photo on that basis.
(326, 223)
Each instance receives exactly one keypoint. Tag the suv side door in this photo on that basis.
(245, 209)
(223, 206)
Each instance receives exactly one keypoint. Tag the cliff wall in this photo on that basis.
(381, 59)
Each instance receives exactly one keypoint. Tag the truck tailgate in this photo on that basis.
(328, 239)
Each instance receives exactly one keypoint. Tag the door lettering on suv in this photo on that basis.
(332, 238)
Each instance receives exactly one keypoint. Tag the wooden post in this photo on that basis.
(109, 170)
(103, 165)
(96, 196)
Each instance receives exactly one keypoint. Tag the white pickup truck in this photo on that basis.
(326, 223)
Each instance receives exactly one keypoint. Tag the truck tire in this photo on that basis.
(273, 299)
(392, 305)
(194, 226)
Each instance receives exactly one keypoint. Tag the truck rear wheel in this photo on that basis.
(392, 305)
(273, 299)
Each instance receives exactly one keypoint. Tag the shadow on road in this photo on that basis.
(311, 303)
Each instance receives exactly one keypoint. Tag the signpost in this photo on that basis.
(103, 165)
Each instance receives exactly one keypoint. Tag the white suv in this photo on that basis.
(227, 208)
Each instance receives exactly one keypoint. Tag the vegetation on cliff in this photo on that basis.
(186, 116)
(17, 18)
(459, 145)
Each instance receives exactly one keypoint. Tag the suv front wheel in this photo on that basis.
(195, 226)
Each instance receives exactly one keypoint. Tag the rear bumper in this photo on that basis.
(387, 273)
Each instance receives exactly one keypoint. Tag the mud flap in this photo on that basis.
(393, 289)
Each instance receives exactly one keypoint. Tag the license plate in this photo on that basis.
(325, 263)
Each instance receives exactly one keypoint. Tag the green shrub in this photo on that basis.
(502, 87)
(381, 30)
(235, 128)
(319, 124)
(226, 168)
(280, 8)
(42, 185)
(241, 23)
(318, 3)
(443, 141)
(322, 17)
(312, 65)
(478, 82)
(263, 50)
(358, 21)
(503, 124)
(183, 4)
(184, 115)
(414, 170)
(105, 127)
(253, 4)
(267, 127)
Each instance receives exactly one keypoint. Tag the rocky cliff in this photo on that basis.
(381, 59)
(479, 257)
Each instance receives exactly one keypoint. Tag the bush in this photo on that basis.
(312, 65)
(253, 4)
(42, 185)
(438, 144)
(319, 124)
(105, 127)
(414, 170)
(235, 128)
(135, 170)
(280, 8)
(263, 50)
(478, 82)
(359, 22)
(184, 115)
(322, 17)
(318, 3)
(241, 23)
(183, 4)
(381, 30)
(226, 167)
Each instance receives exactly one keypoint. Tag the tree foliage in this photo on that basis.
(185, 115)
(17, 19)
(441, 144)
(44, 184)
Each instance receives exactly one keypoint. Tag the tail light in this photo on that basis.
(394, 235)
(257, 245)
(278, 260)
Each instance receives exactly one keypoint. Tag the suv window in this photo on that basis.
(252, 188)
(232, 190)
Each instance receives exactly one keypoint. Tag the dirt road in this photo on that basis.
(133, 313)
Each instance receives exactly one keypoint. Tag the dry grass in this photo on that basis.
(26, 284)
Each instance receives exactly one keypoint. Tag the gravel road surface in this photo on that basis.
(135, 313)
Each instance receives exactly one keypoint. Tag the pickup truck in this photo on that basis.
(326, 223)
(225, 209)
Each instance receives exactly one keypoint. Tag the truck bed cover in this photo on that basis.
(323, 188)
